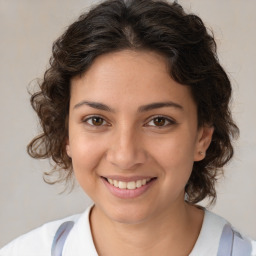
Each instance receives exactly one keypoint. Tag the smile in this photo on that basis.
(128, 188)
(128, 185)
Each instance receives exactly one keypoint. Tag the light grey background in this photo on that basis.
(27, 30)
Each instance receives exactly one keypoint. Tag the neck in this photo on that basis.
(164, 234)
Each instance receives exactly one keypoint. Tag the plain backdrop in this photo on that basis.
(27, 30)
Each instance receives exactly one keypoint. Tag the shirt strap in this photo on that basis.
(60, 238)
(233, 244)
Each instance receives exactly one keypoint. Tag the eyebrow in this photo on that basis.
(159, 105)
(95, 105)
(141, 109)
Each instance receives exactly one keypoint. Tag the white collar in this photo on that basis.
(80, 241)
(209, 236)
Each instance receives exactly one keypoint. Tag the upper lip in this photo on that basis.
(127, 179)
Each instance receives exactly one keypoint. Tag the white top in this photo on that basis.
(80, 243)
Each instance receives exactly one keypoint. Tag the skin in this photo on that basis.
(129, 143)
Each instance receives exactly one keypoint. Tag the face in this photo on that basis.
(133, 135)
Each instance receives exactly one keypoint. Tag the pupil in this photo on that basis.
(159, 121)
(97, 121)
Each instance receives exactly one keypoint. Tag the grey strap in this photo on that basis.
(233, 244)
(60, 238)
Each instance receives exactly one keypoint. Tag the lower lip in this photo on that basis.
(128, 193)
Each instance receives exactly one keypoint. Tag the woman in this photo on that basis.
(136, 105)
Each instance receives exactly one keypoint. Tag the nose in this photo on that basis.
(126, 149)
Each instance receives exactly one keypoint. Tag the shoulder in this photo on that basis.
(219, 237)
(36, 242)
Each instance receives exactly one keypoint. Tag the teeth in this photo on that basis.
(128, 185)
(116, 183)
(122, 184)
(138, 183)
(131, 185)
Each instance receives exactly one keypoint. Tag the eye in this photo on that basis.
(160, 121)
(95, 121)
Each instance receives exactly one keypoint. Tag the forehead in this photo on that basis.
(129, 77)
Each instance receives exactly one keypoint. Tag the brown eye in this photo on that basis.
(159, 121)
(95, 121)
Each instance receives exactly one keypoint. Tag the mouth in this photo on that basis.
(129, 185)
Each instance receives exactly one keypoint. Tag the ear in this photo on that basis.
(68, 150)
(203, 142)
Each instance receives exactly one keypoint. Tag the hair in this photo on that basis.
(154, 25)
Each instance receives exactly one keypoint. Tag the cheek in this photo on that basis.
(86, 154)
(176, 151)
(176, 169)
(175, 158)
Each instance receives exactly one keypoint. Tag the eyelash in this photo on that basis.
(91, 117)
(168, 120)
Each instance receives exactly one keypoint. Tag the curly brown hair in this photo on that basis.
(159, 26)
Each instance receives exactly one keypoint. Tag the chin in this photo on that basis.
(129, 214)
